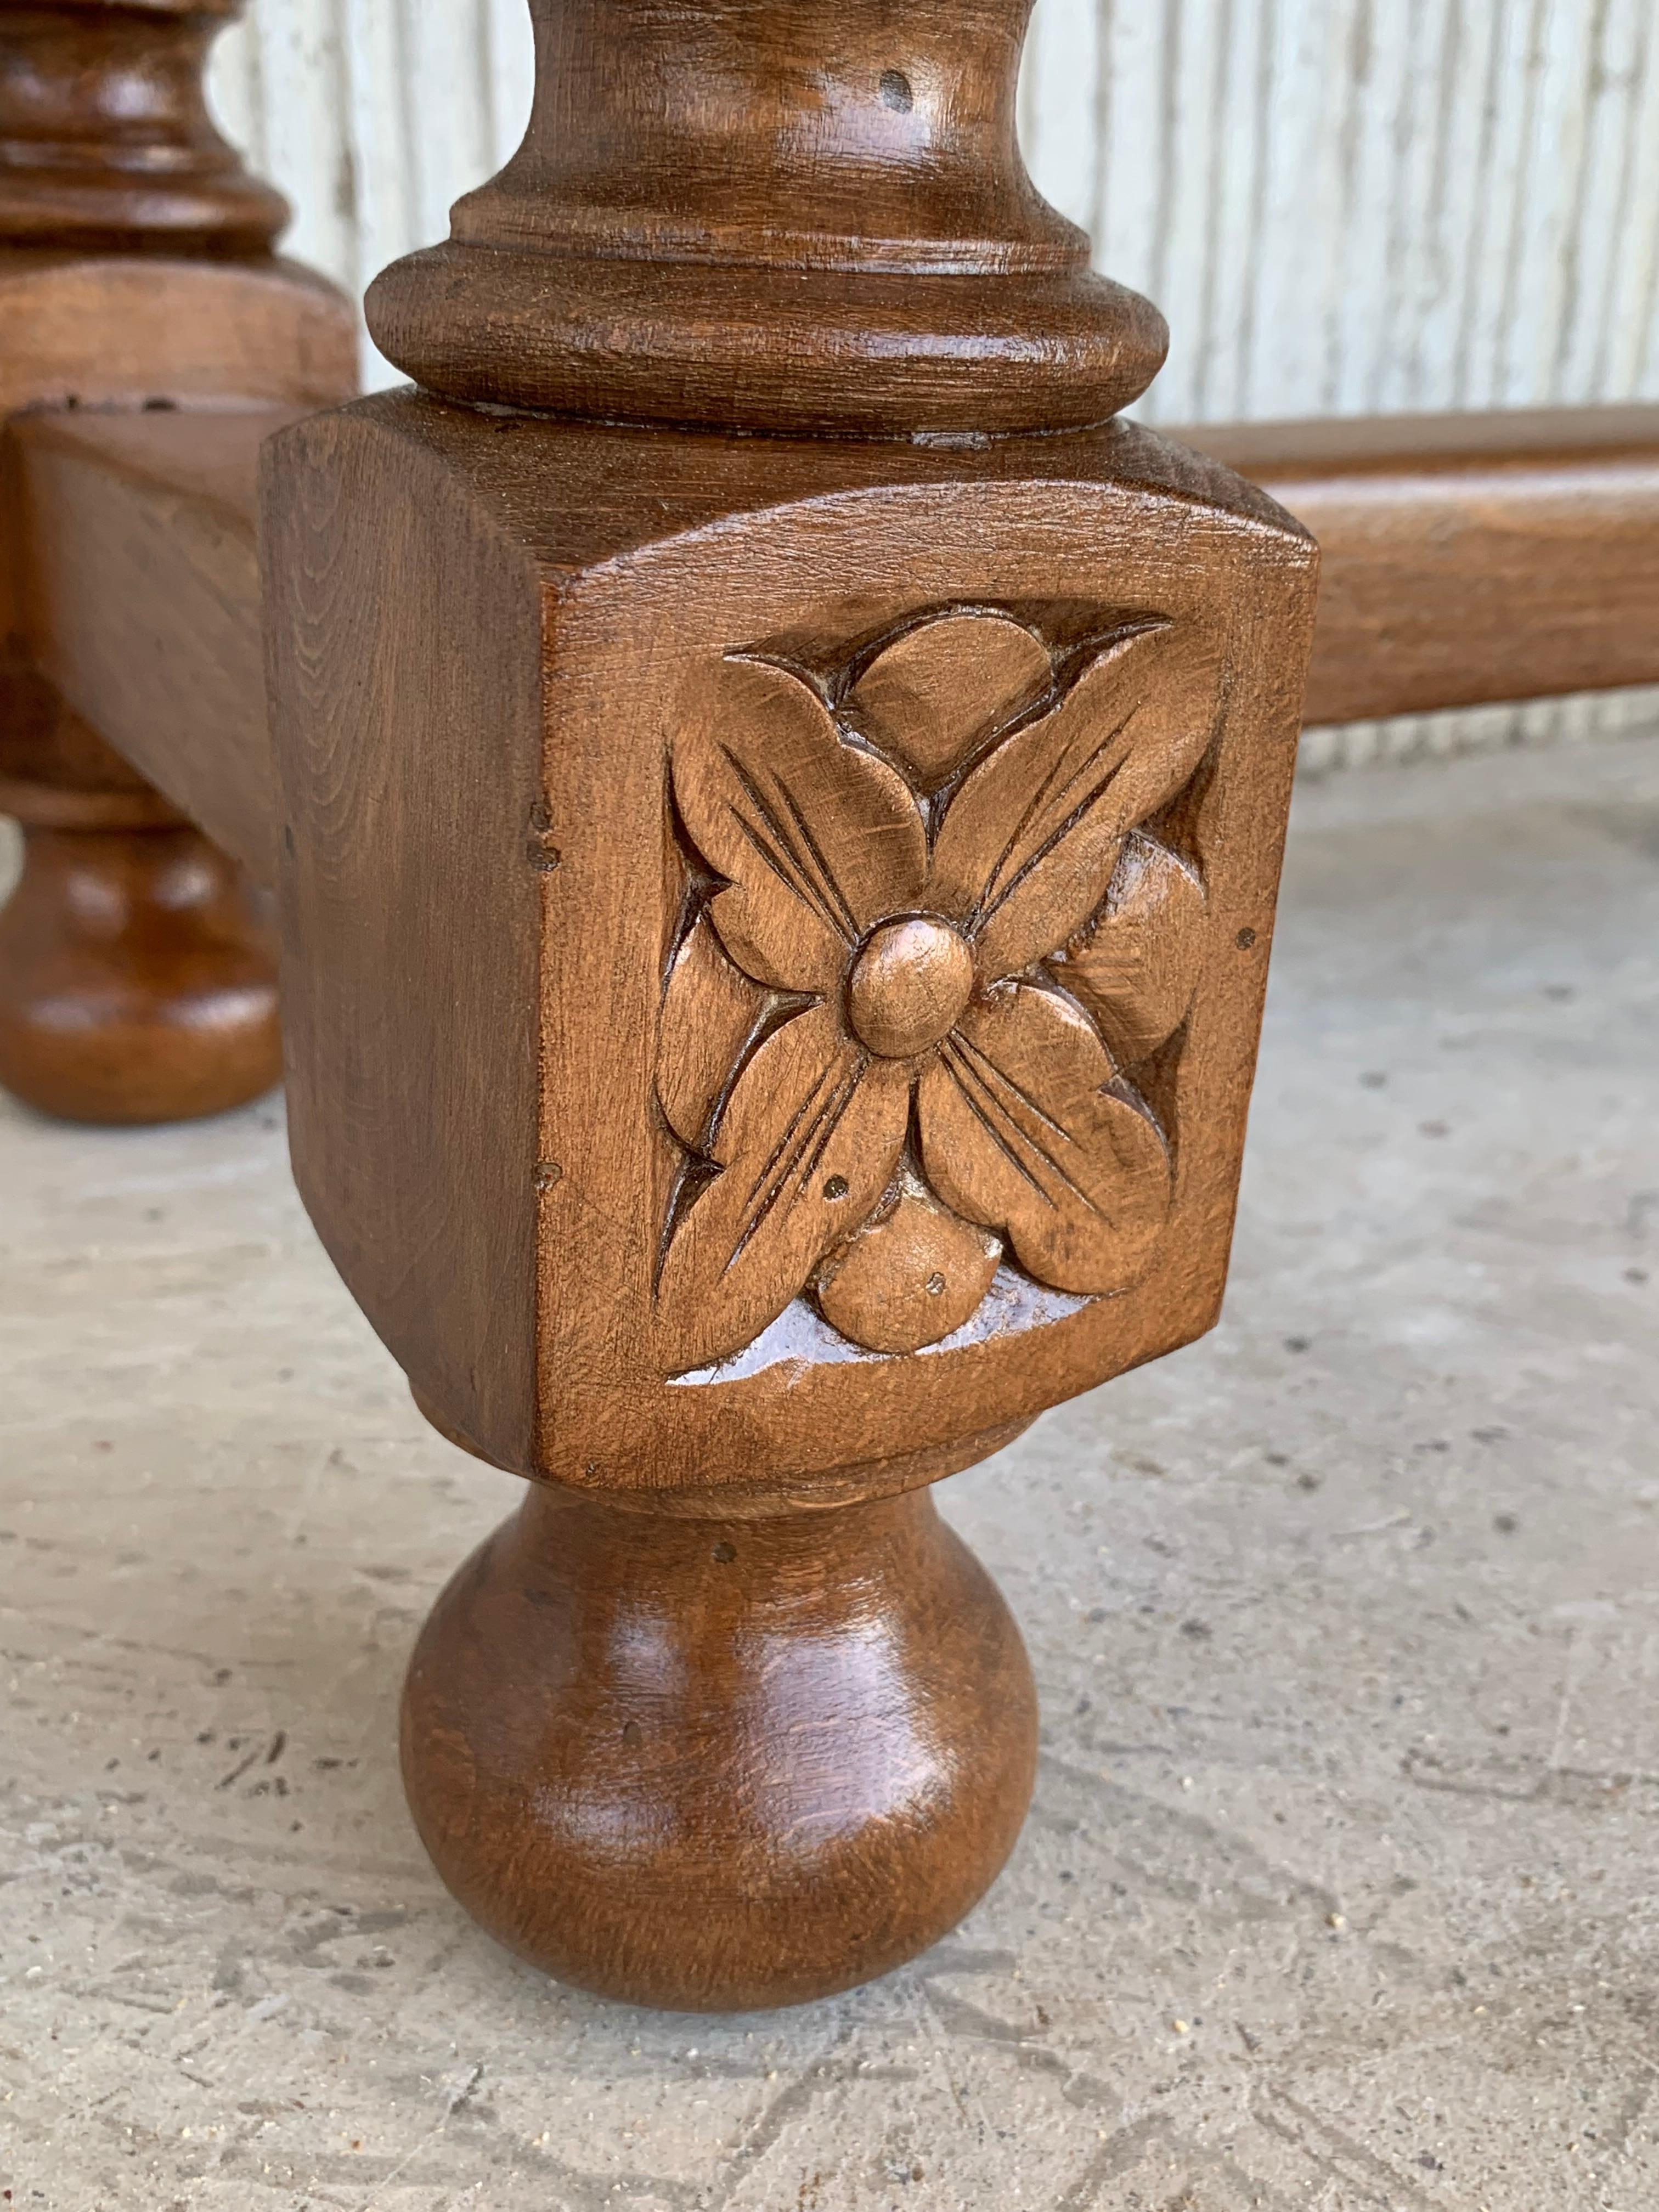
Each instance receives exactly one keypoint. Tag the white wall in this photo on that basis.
(1342, 206)
(1348, 206)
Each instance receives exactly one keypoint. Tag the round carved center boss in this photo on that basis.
(910, 985)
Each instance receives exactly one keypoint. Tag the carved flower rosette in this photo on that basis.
(929, 939)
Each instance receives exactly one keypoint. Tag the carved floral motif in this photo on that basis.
(928, 937)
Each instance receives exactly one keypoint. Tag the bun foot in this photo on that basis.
(137, 982)
(715, 1766)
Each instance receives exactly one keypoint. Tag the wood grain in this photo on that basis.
(138, 980)
(105, 134)
(1464, 558)
(100, 330)
(425, 782)
(1236, 174)
(1469, 557)
(910, 1275)
(664, 815)
(135, 273)
(143, 601)
(56, 771)
(718, 1764)
(772, 217)
(1135, 963)
(774, 930)
(414, 870)
(934, 696)
(894, 924)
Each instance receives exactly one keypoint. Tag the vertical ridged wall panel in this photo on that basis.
(1343, 206)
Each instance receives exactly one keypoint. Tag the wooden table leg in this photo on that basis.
(717, 1764)
(782, 796)
(136, 971)
(137, 978)
(137, 967)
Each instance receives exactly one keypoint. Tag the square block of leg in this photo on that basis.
(774, 933)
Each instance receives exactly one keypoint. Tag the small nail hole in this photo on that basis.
(1245, 939)
(896, 92)
(935, 1286)
(726, 1553)
(836, 1187)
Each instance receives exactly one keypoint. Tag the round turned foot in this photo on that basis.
(137, 982)
(713, 1765)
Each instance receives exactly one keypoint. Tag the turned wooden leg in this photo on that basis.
(138, 982)
(715, 1765)
(774, 925)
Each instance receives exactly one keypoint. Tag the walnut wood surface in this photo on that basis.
(773, 926)
(56, 771)
(141, 607)
(1548, 586)
(684, 837)
(138, 979)
(135, 273)
(485, 1244)
(105, 134)
(1470, 557)
(787, 217)
(103, 331)
(717, 1765)
(507, 831)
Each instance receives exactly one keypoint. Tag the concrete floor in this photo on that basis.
(1339, 1893)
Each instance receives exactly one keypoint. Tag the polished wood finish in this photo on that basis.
(1469, 557)
(1553, 518)
(780, 216)
(98, 331)
(54, 771)
(774, 913)
(142, 600)
(507, 830)
(105, 135)
(686, 838)
(719, 1764)
(135, 274)
(138, 979)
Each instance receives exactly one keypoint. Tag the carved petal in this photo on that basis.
(1135, 965)
(708, 1015)
(941, 689)
(807, 1144)
(911, 1275)
(818, 838)
(1030, 841)
(1018, 1133)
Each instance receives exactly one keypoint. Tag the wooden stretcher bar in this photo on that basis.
(1466, 559)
